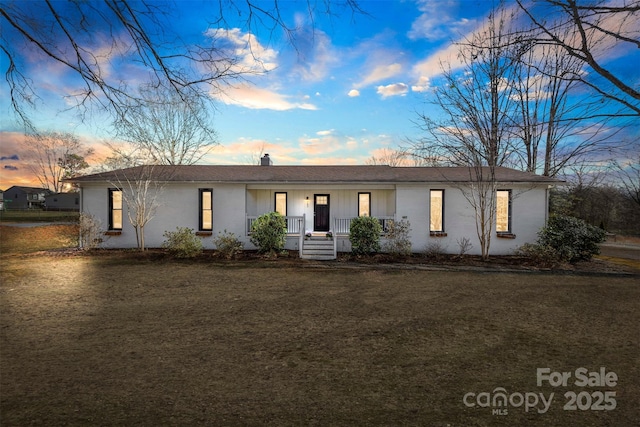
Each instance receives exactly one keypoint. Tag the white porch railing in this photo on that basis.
(343, 225)
(295, 224)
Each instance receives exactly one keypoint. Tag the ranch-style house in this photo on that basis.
(319, 201)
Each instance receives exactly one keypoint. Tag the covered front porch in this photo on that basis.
(320, 245)
(313, 211)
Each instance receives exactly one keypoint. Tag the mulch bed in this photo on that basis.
(290, 258)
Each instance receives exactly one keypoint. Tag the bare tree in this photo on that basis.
(585, 32)
(121, 157)
(389, 157)
(54, 157)
(477, 102)
(169, 128)
(550, 131)
(628, 173)
(86, 38)
(254, 157)
(142, 189)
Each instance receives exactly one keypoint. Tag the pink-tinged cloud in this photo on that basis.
(247, 151)
(253, 97)
(320, 145)
(330, 161)
(395, 89)
(422, 85)
(15, 144)
(353, 93)
(12, 146)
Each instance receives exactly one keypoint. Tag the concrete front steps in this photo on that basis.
(319, 248)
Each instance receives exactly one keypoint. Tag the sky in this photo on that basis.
(347, 91)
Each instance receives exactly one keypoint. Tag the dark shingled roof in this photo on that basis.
(308, 174)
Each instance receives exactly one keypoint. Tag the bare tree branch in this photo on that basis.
(53, 157)
(86, 38)
(584, 30)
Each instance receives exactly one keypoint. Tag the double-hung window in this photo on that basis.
(436, 211)
(280, 203)
(115, 209)
(206, 209)
(364, 204)
(503, 211)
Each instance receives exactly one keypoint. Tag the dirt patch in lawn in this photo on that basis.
(112, 340)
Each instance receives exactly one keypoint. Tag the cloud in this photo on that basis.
(423, 84)
(12, 157)
(324, 132)
(432, 65)
(380, 72)
(247, 150)
(249, 96)
(353, 93)
(314, 53)
(323, 144)
(448, 56)
(10, 167)
(432, 25)
(252, 56)
(394, 89)
(330, 161)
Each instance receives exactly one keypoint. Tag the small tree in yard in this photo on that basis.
(141, 192)
(364, 235)
(269, 232)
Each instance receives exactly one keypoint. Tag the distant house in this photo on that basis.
(62, 202)
(317, 200)
(19, 197)
(1, 200)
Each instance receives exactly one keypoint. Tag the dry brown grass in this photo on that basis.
(108, 340)
(20, 240)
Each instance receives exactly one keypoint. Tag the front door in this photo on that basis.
(321, 212)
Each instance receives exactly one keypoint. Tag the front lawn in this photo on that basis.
(38, 215)
(108, 340)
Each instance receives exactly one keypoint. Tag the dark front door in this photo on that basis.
(321, 212)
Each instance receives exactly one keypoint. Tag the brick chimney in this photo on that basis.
(265, 161)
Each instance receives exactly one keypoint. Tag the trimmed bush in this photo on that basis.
(182, 243)
(397, 239)
(227, 244)
(572, 238)
(364, 235)
(269, 232)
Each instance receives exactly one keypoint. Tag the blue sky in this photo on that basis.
(352, 89)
